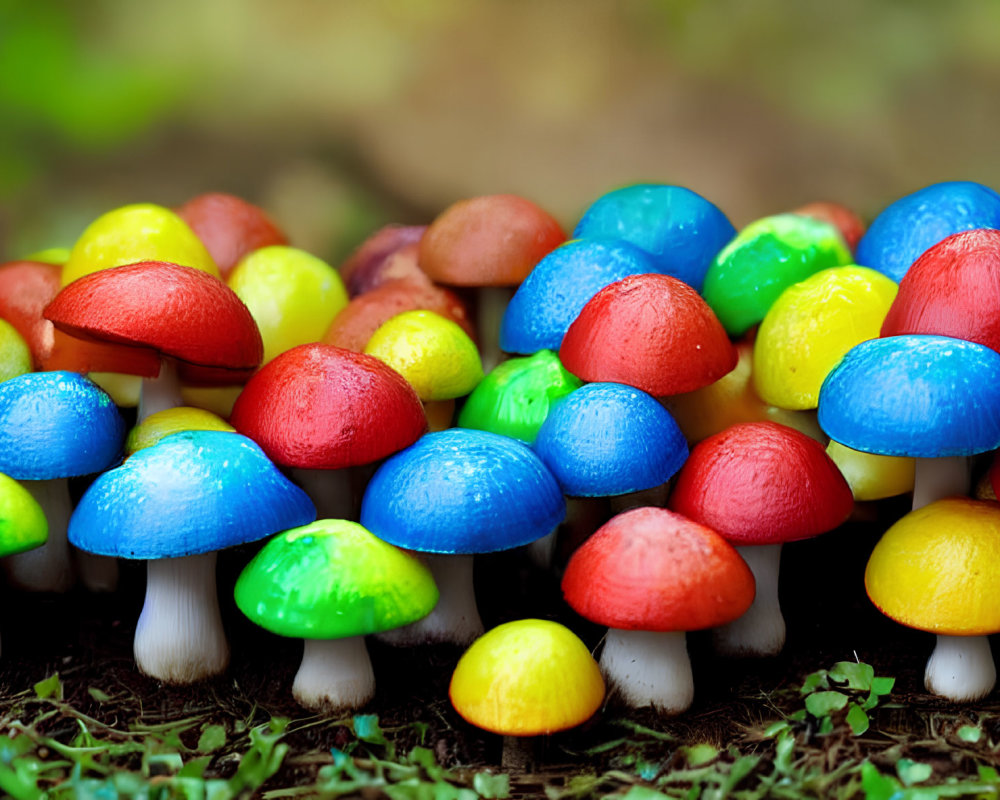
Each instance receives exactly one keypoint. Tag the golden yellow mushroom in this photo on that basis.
(171, 420)
(871, 476)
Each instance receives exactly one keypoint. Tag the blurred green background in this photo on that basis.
(339, 116)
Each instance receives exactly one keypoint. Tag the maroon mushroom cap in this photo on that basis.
(953, 289)
(317, 406)
(650, 331)
(363, 269)
(124, 319)
(762, 483)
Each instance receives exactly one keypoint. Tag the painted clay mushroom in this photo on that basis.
(761, 484)
(26, 287)
(176, 504)
(938, 570)
(332, 583)
(172, 420)
(650, 575)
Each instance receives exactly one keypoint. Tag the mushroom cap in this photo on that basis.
(608, 439)
(650, 569)
(912, 224)
(462, 491)
(492, 240)
(434, 354)
(192, 492)
(292, 295)
(870, 476)
(681, 229)
(26, 287)
(810, 327)
(361, 317)
(764, 259)
(172, 420)
(133, 233)
(844, 219)
(938, 568)
(322, 407)
(526, 678)
(550, 298)
(517, 395)
(953, 289)
(762, 483)
(370, 256)
(229, 227)
(15, 357)
(650, 331)
(923, 396)
(57, 425)
(156, 309)
(332, 579)
(23, 525)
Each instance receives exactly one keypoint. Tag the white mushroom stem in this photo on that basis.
(935, 478)
(455, 619)
(335, 675)
(649, 669)
(541, 551)
(47, 568)
(329, 489)
(179, 637)
(961, 668)
(161, 392)
(761, 630)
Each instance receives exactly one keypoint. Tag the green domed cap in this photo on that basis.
(332, 579)
(22, 522)
(516, 397)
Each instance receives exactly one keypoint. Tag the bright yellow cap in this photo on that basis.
(938, 568)
(292, 295)
(437, 358)
(172, 420)
(140, 232)
(811, 326)
(526, 678)
(871, 476)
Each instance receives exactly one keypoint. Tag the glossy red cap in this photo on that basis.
(762, 483)
(650, 569)
(650, 331)
(322, 407)
(124, 319)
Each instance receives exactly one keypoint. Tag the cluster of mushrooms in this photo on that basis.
(649, 409)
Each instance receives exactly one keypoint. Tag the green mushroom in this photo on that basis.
(332, 582)
(22, 522)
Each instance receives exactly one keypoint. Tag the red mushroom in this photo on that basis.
(761, 484)
(319, 409)
(26, 287)
(650, 331)
(158, 320)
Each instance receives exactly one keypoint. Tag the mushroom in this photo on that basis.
(491, 243)
(22, 521)
(229, 227)
(165, 322)
(450, 495)
(930, 397)
(134, 233)
(26, 287)
(938, 570)
(319, 409)
(54, 426)
(375, 260)
(437, 358)
(650, 331)
(175, 504)
(765, 258)
(678, 227)
(650, 575)
(332, 583)
(761, 484)
(15, 357)
(528, 677)
(172, 420)
(871, 476)
(556, 290)
(912, 224)
(845, 220)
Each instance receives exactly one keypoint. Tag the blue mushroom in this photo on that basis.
(681, 229)
(175, 504)
(906, 228)
(934, 398)
(54, 426)
(456, 493)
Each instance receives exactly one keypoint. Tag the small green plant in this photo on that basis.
(847, 691)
